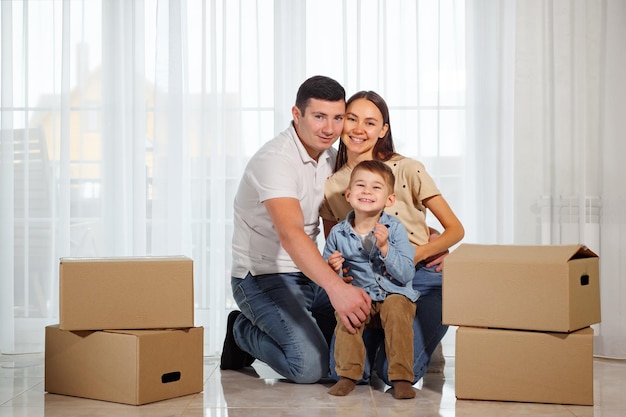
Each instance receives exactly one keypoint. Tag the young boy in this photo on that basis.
(374, 249)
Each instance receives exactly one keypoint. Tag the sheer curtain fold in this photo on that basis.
(612, 341)
(117, 83)
(489, 143)
(7, 326)
(170, 202)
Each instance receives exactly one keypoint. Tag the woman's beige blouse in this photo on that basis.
(413, 185)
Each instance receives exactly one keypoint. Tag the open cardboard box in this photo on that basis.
(547, 288)
(125, 366)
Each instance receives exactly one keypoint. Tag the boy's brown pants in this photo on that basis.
(396, 314)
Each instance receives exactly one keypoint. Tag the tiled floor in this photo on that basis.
(259, 392)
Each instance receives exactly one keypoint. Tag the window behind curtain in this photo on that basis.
(413, 54)
(126, 125)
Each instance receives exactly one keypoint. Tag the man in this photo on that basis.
(280, 280)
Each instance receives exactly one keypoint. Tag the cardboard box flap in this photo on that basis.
(146, 332)
(126, 259)
(584, 252)
(547, 254)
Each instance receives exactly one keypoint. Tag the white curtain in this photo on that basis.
(546, 94)
(126, 126)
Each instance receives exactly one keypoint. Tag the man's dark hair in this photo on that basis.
(321, 88)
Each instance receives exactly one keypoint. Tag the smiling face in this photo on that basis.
(319, 125)
(369, 192)
(362, 127)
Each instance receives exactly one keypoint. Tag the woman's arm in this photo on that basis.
(435, 260)
(453, 230)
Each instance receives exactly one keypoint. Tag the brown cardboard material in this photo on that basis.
(547, 288)
(523, 366)
(132, 367)
(125, 293)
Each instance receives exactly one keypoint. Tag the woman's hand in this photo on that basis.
(438, 258)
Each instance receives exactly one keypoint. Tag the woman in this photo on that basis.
(367, 135)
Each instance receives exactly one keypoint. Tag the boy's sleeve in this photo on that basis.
(399, 260)
(331, 244)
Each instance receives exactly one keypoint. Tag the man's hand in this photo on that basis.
(351, 303)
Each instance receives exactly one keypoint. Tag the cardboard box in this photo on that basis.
(517, 365)
(126, 293)
(547, 288)
(131, 366)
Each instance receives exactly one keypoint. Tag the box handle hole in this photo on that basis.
(170, 377)
(584, 279)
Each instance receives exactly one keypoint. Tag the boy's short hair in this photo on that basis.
(377, 167)
(319, 87)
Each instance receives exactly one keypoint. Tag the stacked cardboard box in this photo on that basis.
(523, 314)
(126, 330)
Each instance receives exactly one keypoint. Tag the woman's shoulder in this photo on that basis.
(403, 163)
(340, 175)
(389, 219)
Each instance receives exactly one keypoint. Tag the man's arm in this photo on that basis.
(350, 302)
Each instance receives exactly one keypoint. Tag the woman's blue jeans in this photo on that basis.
(287, 322)
(427, 330)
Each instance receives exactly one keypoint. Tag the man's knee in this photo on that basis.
(310, 373)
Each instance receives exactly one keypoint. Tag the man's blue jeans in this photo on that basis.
(287, 322)
(427, 330)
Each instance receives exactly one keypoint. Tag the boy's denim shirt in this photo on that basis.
(378, 276)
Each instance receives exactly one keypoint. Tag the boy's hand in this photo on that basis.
(335, 261)
(381, 233)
